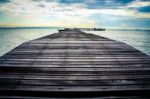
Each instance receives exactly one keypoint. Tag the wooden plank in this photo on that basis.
(73, 77)
(67, 82)
(102, 97)
(109, 97)
(78, 73)
(79, 59)
(75, 88)
(97, 69)
(74, 62)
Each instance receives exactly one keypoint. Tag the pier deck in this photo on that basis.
(74, 63)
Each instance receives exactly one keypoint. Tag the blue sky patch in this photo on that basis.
(144, 9)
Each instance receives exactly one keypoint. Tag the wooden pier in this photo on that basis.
(87, 29)
(74, 64)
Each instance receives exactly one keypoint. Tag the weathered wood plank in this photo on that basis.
(74, 62)
(75, 88)
(73, 77)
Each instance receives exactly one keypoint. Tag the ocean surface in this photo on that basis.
(11, 38)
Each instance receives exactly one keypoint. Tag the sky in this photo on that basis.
(114, 14)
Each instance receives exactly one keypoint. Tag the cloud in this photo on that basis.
(79, 10)
(145, 9)
(70, 12)
(4, 1)
(138, 3)
(45, 13)
(41, 5)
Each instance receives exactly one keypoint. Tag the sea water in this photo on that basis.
(11, 38)
(139, 39)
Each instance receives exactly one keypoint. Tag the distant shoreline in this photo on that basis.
(64, 27)
(25, 27)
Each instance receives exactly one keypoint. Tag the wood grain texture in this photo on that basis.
(73, 62)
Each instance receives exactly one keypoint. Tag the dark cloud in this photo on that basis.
(4, 1)
(112, 4)
(44, 0)
(95, 3)
(144, 0)
(144, 9)
(123, 1)
(71, 1)
(35, 0)
(99, 3)
(41, 5)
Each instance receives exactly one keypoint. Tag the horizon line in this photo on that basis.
(73, 27)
